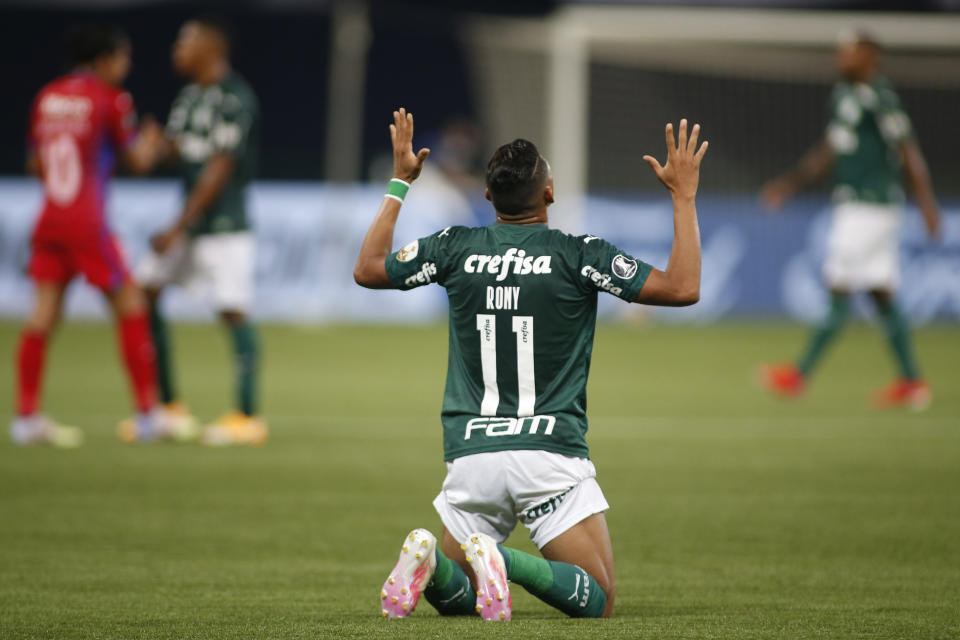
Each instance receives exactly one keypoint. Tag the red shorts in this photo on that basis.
(100, 260)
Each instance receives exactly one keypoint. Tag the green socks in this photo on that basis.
(826, 332)
(563, 586)
(246, 355)
(245, 351)
(898, 334)
(161, 343)
(450, 591)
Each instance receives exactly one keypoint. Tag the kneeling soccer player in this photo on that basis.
(523, 305)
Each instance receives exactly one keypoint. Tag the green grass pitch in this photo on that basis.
(734, 515)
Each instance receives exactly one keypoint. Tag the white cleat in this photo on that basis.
(145, 427)
(410, 576)
(38, 429)
(179, 424)
(493, 592)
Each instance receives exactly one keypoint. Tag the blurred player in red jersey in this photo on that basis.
(79, 124)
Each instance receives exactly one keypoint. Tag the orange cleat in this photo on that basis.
(235, 428)
(913, 394)
(781, 379)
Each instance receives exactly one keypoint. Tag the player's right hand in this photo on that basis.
(681, 173)
(406, 165)
(162, 241)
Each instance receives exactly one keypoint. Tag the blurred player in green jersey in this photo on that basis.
(523, 304)
(869, 145)
(213, 129)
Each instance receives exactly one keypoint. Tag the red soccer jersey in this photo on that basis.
(77, 124)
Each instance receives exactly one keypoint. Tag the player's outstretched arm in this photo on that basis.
(679, 284)
(812, 168)
(915, 167)
(370, 270)
(213, 178)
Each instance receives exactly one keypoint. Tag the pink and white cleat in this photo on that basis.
(410, 576)
(493, 592)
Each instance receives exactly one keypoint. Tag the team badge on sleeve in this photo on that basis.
(623, 267)
(409, 252)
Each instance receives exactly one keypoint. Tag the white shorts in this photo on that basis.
(218, 266)
(863, 251)
(491, 492)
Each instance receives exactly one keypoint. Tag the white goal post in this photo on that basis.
(534, 74)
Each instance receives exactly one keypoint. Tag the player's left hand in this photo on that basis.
(406, 165)
(161, 242)
(681, 172)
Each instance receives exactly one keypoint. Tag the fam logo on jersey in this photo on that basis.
(514, 258)
(624, 267)
(409, 252)
(507, 426)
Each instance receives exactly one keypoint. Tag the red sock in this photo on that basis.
(32, 353)
(140, 359)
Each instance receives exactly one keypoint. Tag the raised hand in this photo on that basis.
(406, 165)
(681, 173)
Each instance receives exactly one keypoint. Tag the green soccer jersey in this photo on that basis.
(523, 307)
(866, 128)
(220, 118)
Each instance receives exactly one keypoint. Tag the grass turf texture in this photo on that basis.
(734, 515)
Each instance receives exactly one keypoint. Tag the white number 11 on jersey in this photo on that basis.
(526, 391)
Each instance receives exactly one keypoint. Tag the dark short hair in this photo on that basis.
(861, 37)
(218, 25)
(866, 39)
(515, 177)
(87, 42)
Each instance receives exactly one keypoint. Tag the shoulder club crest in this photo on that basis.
(623, 267)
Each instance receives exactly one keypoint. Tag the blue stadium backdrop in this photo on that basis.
(755, 265)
